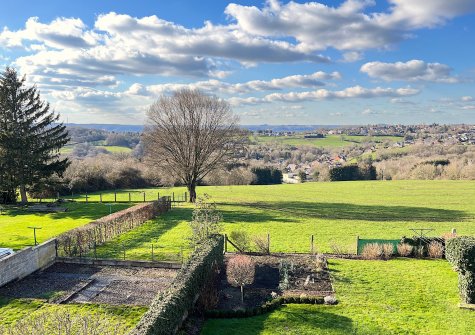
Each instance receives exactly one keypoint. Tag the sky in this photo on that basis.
(275, 62)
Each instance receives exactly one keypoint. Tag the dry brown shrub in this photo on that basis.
(388, 250)
(404, 249)
(372, 251)
(261, 244)
(435, 250)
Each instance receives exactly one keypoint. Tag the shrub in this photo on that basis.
(338, 249)
(241, 239)
(404, 249)
(321, 263)
(372, 251)
(240, 272)
(435, 250)
(60, 321)
(206, 220)
(261, 244)
(460, 252)
(169, 307)
(388, 250)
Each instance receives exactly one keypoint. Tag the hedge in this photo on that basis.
(460, 252)
(265, 308)
(169, 309)
(78, 241)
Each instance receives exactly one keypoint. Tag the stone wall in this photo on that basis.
(27, 261)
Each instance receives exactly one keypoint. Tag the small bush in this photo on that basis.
(241, 239)
(404, 249)
(435, 250)
(388, 250)
(261, 244)
(372, 251)
(338, 249)
(240, 272)
(321, 263)
(460, 252)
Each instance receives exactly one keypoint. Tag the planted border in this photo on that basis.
(77, 242)
(170, 308)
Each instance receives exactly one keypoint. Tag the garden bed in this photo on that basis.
(303, 279)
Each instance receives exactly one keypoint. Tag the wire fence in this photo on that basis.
(116, 197)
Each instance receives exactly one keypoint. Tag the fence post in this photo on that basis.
(357, 243)
(311, 246)
(158, 195)
(143, 196)
(186, 197)
(225, 243)
(130, 197)
(123, 246)
(152, 252)
(100, 198)
(86, 198)
(268, 243)
(173, 194)
(115, 196)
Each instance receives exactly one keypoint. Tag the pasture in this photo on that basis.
(329, 141)
(335, 213)
(14, 222)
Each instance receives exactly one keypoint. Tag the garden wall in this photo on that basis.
(27, 261)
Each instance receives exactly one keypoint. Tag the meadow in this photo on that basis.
(335, 213)
(14, 222)
(329, 141)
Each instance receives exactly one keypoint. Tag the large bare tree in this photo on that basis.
(189, 134)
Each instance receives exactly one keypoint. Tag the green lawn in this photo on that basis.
(330, 141)
(14, 223)
(375, 297)
(335, 213)
(16, 309)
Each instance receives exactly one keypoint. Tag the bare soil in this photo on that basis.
(74, 283)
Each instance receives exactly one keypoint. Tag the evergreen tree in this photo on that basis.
(30, 138)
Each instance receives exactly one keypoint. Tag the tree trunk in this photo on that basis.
(192, 191)
(242, 294)
(24, 198)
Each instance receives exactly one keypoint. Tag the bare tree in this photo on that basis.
(240, 271)
(190, 134)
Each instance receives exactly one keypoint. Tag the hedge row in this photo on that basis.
(170, 307)
(79, 241)
(265, 308)
(460, 252)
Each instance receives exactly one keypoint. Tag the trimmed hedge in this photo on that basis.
(170, 308)
(78, 241)
(265, 308)
(460, 252)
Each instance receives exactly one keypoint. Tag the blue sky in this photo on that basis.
(275, 62)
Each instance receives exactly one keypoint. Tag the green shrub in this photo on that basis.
(169, 307)
(241, 239)
(460, 252)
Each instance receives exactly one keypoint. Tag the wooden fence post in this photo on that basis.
(186, 197)
(115, 196)
(152, 252)
(312, 250)
(225, 243)
(86, 198)
(158, 195)
(100, 198)
(130, 197)
(357, 243)
(173, 199)
(143, 196)
(268, 242)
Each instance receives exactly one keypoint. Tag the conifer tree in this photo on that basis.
(30, 138)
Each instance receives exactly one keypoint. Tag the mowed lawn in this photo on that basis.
(14, 223)
(335, 213)
(399, 296)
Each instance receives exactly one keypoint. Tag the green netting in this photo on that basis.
(363, 242)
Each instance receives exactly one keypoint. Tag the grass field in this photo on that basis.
(14, 223)
(330, 141)
(335, 213)
(16, 309)
(375, 297)
(110, 148)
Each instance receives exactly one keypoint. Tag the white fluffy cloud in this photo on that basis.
(413, 70)
(354, 92)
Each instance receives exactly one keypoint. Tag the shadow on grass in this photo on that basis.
(343, 211)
